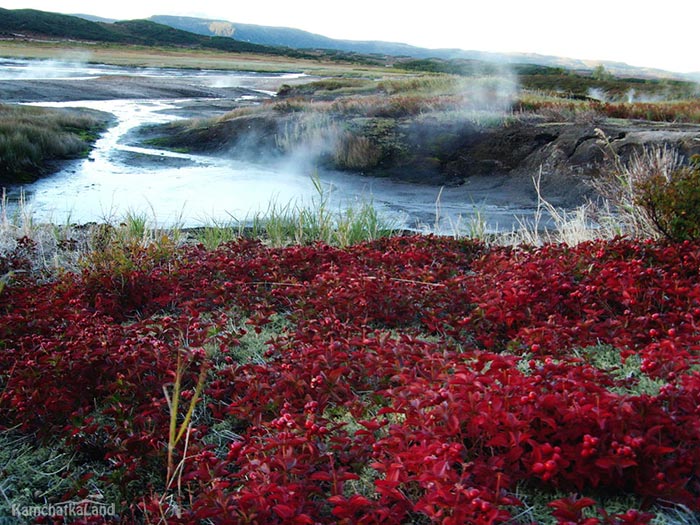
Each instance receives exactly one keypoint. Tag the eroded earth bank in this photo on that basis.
(432, 139)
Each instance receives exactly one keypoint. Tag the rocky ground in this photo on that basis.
(567, 154)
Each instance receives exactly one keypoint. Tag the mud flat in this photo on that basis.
(123, 87)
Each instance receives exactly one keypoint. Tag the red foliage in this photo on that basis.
(356, 416)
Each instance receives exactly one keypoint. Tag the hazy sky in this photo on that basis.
(651, 34)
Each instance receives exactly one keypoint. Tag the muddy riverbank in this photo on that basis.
(567, 155)
(420, 168)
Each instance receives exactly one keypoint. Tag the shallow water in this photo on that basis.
(77, 68)
(192, 190)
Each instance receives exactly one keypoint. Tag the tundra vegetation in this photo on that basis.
(31, 138)
(288, 373)
(406, 379)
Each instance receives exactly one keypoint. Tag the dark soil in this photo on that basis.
(567, 155)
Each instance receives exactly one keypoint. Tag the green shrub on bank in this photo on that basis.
(654, 194)
(673, 202)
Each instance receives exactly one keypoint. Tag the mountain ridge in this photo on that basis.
(33, 23)
(296, 43)
(301, 39)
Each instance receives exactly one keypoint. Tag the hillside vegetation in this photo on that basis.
(33, 23)
(40, 24)
(290, 37)
(567, 83)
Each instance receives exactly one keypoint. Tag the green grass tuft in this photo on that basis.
(33, 137)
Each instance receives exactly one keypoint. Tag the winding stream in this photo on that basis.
(192, 190)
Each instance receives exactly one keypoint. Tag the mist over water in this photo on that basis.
(192, 190)
(172, 187)
(493, 92)
(72, 67)
(76, 66)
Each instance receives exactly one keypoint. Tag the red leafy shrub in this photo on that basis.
(418, 379)
(18, 261)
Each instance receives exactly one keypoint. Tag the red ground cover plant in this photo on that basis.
(417, 379)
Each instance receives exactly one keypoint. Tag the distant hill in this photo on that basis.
(287, 37)
(30, 22)
(233, 37)
(40, 24)
(298, 39)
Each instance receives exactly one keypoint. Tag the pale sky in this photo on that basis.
(648, 34)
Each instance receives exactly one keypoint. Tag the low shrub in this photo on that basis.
(673, 202)
(405, 380)
(676, 111)
(567, 108)
(622, 187)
